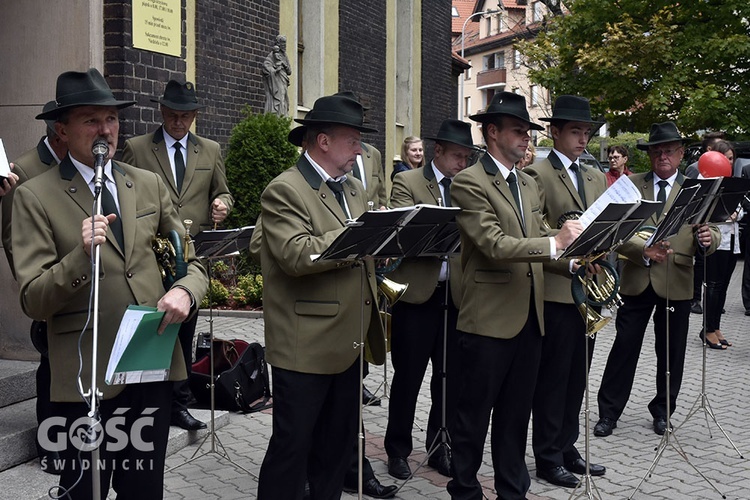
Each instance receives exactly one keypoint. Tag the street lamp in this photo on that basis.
(463, 37)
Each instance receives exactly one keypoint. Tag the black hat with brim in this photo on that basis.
(351, 95)
(296, 135)
(572, 108)
(336, 110)
(661, 133)
(47, 108)
(509, 104)
(75, 89)
(456, 132)
(179, 96)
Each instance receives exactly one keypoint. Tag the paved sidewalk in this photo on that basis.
(628, 453)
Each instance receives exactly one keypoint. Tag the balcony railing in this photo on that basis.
(491, 77)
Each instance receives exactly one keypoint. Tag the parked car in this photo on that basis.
(586, 158)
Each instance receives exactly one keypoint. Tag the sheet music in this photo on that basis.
(622, 191)
(4, 165)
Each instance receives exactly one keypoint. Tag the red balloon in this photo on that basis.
(714, 164)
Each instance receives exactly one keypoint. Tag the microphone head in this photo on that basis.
(100, 147)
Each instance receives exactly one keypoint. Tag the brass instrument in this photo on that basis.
(588, 294)
(389, 293)
(172, 255)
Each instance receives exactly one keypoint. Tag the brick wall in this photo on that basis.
(438, 94)
(362, 59)
(232, 39)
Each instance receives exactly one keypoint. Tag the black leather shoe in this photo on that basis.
(373, 488)
(398, 467)
(185, 420)
(369, 399)
(604, 427)
(696, 307)
(441, 461)
(660, 425)
(579, 467)
(747, 312)
(559, 476)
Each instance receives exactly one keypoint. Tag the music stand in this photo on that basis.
(701, 201)
(384, 234)
(209, 246)
(726, 192)
(613, 226)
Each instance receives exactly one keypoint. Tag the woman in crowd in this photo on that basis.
(412, 155)
(719, 268)
(618, 163)
(528, 159)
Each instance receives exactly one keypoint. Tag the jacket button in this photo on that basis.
(84, 277)
(74, 284)
(528, 274)
(367, 302)
(129, 275)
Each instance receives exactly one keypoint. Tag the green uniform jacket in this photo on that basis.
(558, 195)
(30, 164)
(314, 311)
(500, 258)
(412, 188)
(636, 275)
(54, 272)
(205, 177)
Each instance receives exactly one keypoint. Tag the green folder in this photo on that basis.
(140, 354)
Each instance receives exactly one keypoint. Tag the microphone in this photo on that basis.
(100, 150)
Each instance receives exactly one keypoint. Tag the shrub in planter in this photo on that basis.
(217, 294)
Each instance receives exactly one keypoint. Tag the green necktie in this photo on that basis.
(446, 182)
(575, 168)
(662, 197)
(179, 165)
(513, 185)
(338, 192)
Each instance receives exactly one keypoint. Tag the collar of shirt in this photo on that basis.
(88, 175)
(505, 171)
(566, 162)
(438, 174)
(169, 141)
(322, 172)
(52, 151)
(360, 165)
(670, 181)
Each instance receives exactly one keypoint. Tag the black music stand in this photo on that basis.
(703, 200)
(617, 223)
(209, 246)
(384, 234)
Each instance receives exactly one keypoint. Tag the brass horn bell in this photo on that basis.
(391, 290)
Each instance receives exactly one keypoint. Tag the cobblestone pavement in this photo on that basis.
(628, 453)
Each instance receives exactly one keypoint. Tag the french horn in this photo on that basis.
(389, 292)
(172, 254)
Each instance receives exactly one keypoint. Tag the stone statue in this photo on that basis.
(276, 71)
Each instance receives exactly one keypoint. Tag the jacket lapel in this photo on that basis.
(430, 183)
(502, 186)
(162, 158)
(325, 195)
(562, 173)
(126, 197)
(191, 161)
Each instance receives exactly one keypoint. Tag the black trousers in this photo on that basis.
(560, 386)
(315, 420)
(631, 324)
(140, 415)
(181, 392)
(497, 380)
(698, 268)
(416, 339)
(719, 268)
(746, 270)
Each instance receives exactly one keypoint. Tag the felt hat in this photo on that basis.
(506, 103)
(661, 133)
(456, 132)
(336, 110)
(75, 89)
(179, 96)
(572, 108)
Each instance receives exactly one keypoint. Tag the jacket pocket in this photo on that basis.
(315, 308)
(683, 260)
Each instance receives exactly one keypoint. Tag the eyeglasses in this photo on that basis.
(657, 153)
(614, 157)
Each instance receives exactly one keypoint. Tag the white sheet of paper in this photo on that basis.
(4, 165)
(622, 191)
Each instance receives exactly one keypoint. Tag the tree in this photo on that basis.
(646, 61)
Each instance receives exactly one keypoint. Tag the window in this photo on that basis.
(488, 26)
(516, 59)
(467, 73)
(488, 62)
(467, 105)
(488, 95)
(536, 98)
(500, 59)
(537, 14)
